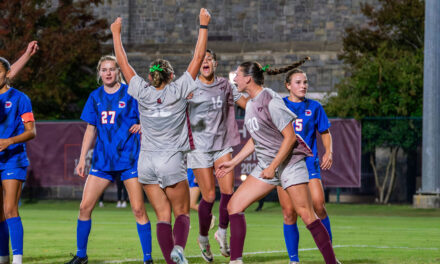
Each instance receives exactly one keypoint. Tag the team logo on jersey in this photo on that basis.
(308, 112)
(122, 104)
(8, 104)
(159, 101)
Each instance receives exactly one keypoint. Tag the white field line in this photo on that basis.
(284, 251)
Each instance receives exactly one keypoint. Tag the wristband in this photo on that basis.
(204, 26)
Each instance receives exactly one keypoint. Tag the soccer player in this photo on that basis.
(280, 157)
(17, 125)
(311, 117)
(111, 115)
(214, 132)
(163, 105)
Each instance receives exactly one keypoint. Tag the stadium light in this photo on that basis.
(243, 177)
(232, 76)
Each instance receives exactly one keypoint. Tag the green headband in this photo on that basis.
(156, 68)
(265, 68)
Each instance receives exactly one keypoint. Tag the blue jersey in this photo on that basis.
(13, 105)
(311, 117)
(113, 114)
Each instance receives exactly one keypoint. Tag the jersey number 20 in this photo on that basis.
(108, 117)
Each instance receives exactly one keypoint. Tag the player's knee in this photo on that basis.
(10, 211)
(209, 197)
(233, 208)
(289, 216)
(85, 210)
(138, 212)
(320, 210)
(306, 214)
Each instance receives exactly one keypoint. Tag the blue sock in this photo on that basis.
(82, 237)
(4, 239)
(144, 232)
(326, 223)
(16, 233)
(291, 237)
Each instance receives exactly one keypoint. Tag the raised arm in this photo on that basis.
(199, 53)
(121, 56)
(19, 64)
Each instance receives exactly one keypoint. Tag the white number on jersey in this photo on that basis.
(105, 115)
(217, 104)
(252, 124)
(298, 125)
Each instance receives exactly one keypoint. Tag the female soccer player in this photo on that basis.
(112, 114)
(162, 105)
(17, 125)
(310, 117)
(214, 132)
(280, 157)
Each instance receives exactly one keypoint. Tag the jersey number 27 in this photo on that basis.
(108, 117)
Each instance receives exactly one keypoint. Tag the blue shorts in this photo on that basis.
(111, 175)
(14, 174)
(191, 178)
(313, 168)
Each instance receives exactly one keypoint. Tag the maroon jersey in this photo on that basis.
(266, 116)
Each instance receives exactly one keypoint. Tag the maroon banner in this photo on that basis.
(55, 151)
(346, 168)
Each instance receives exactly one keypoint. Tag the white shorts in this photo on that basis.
(165, 168)
(285, 176)
(198, 160)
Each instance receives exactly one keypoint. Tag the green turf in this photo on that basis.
(362, 234)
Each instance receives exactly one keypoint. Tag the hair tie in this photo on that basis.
(265, 68)
(156, 68)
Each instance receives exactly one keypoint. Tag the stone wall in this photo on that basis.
(275, 32)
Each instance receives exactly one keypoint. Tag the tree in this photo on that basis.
(385, 66)
(60, 76)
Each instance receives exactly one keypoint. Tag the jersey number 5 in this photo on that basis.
(298, 125)
(106, 115)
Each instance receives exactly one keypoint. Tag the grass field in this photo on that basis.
(362, 234)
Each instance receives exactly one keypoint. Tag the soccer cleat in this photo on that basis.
(78, 260)
(178, 256)
(211, 226)
(101, 204)
(338, 262)
(293, 262)
(150, 261)
(237, 261)
(205, 248)
(222, 240)
(124, 204)
(118, 204)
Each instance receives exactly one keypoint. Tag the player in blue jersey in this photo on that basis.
(163, 106)
(17, 125)
(112, 115)
(311, 119)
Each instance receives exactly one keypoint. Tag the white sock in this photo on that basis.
(17, 259)
(203, 239)
(222, 231)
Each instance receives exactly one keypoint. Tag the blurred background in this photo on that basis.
(366, 69)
